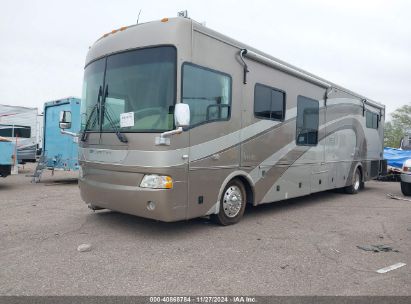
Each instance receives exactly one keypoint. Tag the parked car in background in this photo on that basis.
(406, 178)
(405, 143)
(23, 126)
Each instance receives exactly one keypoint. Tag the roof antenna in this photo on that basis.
(138, 17)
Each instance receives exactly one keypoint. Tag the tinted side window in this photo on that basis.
(269, 103)
(307, 121)
(23, 132)
(18, 131)
(371, 120)
(207, 92)
(6, 131)
(368, 119)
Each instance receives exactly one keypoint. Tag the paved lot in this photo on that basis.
(304, 246)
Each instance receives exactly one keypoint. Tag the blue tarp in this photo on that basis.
(396, 157)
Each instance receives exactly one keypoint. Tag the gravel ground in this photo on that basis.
(304, 246)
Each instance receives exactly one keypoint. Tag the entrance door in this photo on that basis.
(214, 149)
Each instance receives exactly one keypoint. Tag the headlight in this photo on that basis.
(156, 182)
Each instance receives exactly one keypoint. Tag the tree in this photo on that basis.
(395, 129)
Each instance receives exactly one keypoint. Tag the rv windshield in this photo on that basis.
(139, 91)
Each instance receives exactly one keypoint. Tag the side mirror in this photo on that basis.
(181, 120)
(182, 115)
(65, 120)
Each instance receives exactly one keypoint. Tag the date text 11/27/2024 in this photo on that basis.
(202, 299)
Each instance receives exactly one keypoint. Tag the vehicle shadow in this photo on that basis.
(130, 223)
(315, 199)
(60, 181)
(5, 187)
(162, 230)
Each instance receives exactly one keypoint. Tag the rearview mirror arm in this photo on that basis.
(181, 120)
(69, 133)
(164, 138)
(179, 130)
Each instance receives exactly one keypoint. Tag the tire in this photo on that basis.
(232, 204)
(362, 186)
(356, 183)
(406, 188)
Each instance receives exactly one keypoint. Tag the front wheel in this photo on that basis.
(232, 204)
(356, 183)
(406, 188)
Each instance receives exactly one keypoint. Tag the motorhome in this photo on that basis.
(23, 126)
(180, 121)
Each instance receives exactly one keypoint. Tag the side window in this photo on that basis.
(23, 132)
(368, 119)
(307, 121)
(371, 120)
(207, 92)
(269, 103)
(6, 131)
(15, 131)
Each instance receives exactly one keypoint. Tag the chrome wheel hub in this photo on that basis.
(232, 201)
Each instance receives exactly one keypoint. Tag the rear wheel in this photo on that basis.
(356, 183)
(406, 188)
(232, 204)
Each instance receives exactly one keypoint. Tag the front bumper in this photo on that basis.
(115, 191)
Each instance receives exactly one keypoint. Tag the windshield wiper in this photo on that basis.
(96, 106)
(121, 137)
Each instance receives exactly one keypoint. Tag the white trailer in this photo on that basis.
(22, 125)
